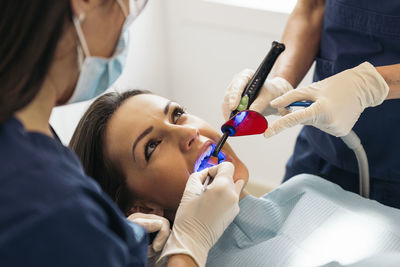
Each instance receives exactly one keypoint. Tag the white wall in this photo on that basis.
(189, 50)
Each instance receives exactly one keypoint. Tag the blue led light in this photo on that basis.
(221, 157)
(205, 164)
(240, 117)
(228, 128)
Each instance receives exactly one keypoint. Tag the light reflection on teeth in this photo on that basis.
(206, 153)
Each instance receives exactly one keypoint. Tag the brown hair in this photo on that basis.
(29, 34)
(88, 142)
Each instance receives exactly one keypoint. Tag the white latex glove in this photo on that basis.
(202, 217)
(153, 223)
(271, 89)
(338, 101)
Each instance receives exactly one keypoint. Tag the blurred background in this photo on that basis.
(189, 51)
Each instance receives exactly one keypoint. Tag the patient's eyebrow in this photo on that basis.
(167, 107)
(140, 137)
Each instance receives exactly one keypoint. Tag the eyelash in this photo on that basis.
(178, 111)
(150, 145)
(175, 116)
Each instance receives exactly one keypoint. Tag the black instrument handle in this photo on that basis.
(254, 86)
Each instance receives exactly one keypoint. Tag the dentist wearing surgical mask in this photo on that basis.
(355, 44)
(52, 214)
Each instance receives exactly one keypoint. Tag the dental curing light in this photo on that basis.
(252, 89)
(247, 122)
(249, 94)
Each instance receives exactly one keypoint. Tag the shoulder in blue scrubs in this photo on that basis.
(355, 31)
(59, 217)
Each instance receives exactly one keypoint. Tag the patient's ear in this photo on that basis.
(146, 207)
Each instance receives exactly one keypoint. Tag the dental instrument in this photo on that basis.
(249, 94)
(252, 89)
(206, 183)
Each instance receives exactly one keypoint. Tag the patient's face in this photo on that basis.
(156, 144)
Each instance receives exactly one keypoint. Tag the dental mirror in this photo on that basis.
(246, 122)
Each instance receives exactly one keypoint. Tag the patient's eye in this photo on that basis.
(149, 148)
(177, 113)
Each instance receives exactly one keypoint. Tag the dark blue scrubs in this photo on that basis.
(52, 214)
(355, 31)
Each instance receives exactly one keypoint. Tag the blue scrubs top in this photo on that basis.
(52, 214)
(355, 31)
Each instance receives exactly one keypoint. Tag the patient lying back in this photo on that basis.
(141, 148)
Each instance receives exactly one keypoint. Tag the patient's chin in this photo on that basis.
(241, 172)
(241, 175)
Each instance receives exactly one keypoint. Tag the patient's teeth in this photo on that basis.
(209, 150)
(200, 160)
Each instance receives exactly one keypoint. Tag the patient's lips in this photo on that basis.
(206, 153)
(203, 161)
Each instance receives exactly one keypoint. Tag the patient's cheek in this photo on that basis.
(170, 190)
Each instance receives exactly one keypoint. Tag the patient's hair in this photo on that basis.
(88, 143)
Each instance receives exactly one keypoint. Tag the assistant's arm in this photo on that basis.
(391, 74)
(301, 37)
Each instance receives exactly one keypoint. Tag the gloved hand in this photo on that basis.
(202, 217)
(153, 223)
(338, 101)
(271, 89)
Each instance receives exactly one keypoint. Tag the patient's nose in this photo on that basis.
(187, 138)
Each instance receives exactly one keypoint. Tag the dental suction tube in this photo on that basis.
(353, 142)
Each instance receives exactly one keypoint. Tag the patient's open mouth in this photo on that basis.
(203, 161)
